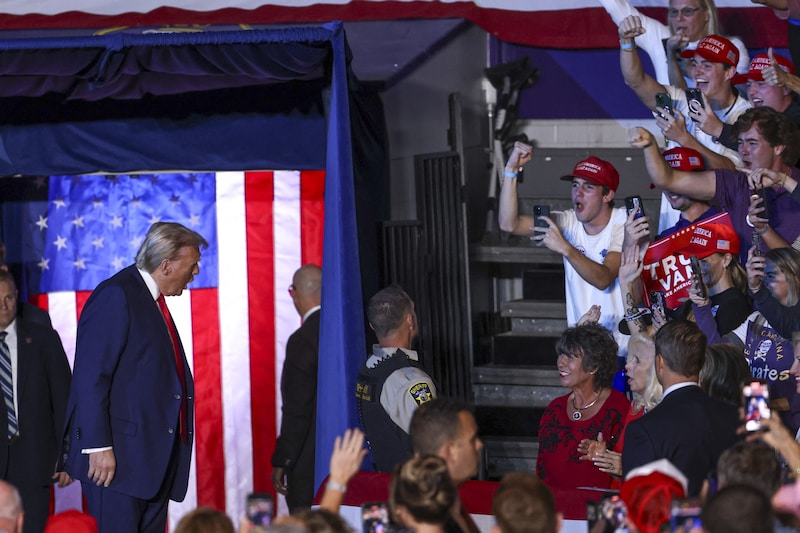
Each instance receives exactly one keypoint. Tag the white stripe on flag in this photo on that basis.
(288, 258)
(63, 314)
(234, 340)
(180, 307)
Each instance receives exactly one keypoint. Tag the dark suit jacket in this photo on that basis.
(125, 390)
(43, 380)
(689, 428)
(31, 314)
(294, 449)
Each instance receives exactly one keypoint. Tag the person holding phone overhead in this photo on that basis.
(688, 21)
(588, 236)
(768, 144)
(714, 67)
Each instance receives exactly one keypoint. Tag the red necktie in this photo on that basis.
(183, 418)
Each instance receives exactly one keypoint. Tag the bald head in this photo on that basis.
(11, 513)
(307, 288)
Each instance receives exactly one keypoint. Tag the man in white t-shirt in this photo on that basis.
(588, 236)
(713, 66)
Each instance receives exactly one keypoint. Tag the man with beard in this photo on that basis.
(588, 236)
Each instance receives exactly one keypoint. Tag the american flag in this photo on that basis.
(234, 320)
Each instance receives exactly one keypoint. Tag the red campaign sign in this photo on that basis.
(669, 271)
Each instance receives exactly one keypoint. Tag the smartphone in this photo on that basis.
(540, 211)
(658, 302)
(756, 405)
(694, 93)
(698, 273)
(684, 516)
(664, 100)
(634, 204)
(259, 508)
(374, 517)
(762, 193)
(607, 515)
(755, 242)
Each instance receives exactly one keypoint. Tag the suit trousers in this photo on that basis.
(120, 513)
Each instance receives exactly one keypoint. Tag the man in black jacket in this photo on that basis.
(293, 460)
(688, 427)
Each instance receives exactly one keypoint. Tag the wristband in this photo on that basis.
(510, 175)
(627, 46)
(761, 231)
(336, 486)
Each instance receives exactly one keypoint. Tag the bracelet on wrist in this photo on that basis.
(747, 219)
(510, 175)
(628, 47)
(336, 486)
(761, 231)
(783, 181)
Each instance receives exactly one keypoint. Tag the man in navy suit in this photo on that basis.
(40, 384)
(688, 427)
(131, 406)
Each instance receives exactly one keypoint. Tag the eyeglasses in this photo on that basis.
(291, 290)
(687, 12)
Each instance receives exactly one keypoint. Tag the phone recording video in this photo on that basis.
(607, 516)
(374, 517)
(664, 101)
(685, 516)
(259, 508)
(756, 405)
(633, 204)
(698, 274)
(755, 242)
(540, 211)
(658, 302)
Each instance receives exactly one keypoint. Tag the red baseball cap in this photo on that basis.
(686, 159)
(716, 49)
(596, 171)
(71, 521)
(708, 239)
(760, 61)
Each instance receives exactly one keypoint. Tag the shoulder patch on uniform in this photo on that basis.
(421, 392)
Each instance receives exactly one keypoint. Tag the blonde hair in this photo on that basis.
(653, 392)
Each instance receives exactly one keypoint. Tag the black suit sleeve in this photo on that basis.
(59, 377)
(299, 393)
(638, 448)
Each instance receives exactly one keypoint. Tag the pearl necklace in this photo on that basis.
(577, 415)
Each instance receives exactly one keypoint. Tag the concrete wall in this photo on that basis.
(417, 114)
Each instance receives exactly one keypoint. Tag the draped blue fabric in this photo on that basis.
(341, 346)
(238, 100)
(195, 101)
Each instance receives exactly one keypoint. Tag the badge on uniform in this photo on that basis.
(421, 392)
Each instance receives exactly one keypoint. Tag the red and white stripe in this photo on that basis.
(554, 24)
(268, 225)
